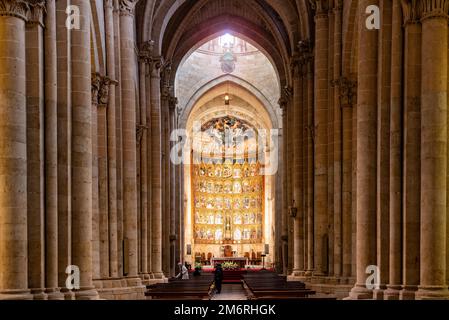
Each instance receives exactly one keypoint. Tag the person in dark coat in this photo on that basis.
(218, 277)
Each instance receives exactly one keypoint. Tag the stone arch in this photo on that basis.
(238, 82)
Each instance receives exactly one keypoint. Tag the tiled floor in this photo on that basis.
(231, 292)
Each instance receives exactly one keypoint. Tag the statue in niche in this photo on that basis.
(236, 204)
(252, 218)
(210, 204)
(238, 219)
(210, 235)
(218, 234)
(237, 187)
(218, 218)
(237, 173)
(245, 218)
(217, 171)
(210, 219)
(227, 204)
(210, 187)
(197, 217)
(237, 234)
(246, 203)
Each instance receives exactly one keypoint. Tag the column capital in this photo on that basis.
(411, 10)
(347, 90)
(100, 89)
(286, 96)
(108, 4)
(140, 129)
(15, 8)
(431, 9)
(127, 7)
(36, 12)
(338, 5)
(320, 8)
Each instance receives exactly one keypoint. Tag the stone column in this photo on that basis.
(64, 107)
(143, 137)
(172, 103)
(321, 135)
(128, 71)
(412, 146)
(13, 158)
(51, 154)
(347, 95)
(309, 66)
(366, 148)
(102, 137)
(383, 147)
(111, 138)
(35, 149)
(338, 134)
(433, 150)
(96, 83)
(156, 162)
(396, 138)
(82, 152)
(284, 221)
(298, 235)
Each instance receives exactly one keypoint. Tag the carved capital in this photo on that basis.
(100, 89)
(36, 12)
(347, 90)
(140, 130)
(411, 11)
(286, 97)
(320, 8)
(108, 4)
(338, 5)
(431, 9)
(15, 8)
(146, 51)
(127, 7)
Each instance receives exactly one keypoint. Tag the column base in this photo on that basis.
(360, 292)
(297, 273)
(158, 275)
(39, 294)
(392, 292)
(87, 293)
(432, 293)
(68, 294)
(15, 294)
(408, 293)
(379, 294)
(54, 294)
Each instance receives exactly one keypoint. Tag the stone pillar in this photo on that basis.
(320, 131)
(64, 107)
(51, 155)
(111, 138)
(433, 150)
(383, 148)
(309, 66)
(347, 95)
(412, 154)
(174, 232)
(298, 235)
(338, 134)
(96, 83)
(156, 162)
(35, 149)
(366, 148)
(102, 137)
(82, 152)
(13, 158)
(128, 88)
(396, 138)
(143, 142)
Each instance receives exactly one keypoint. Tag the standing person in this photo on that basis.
(218, 277)
(183, 272)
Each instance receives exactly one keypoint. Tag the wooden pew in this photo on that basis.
(176, 289)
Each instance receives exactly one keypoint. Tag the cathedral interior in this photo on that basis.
(306, 137)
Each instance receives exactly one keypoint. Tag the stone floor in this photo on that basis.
(231, 292)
